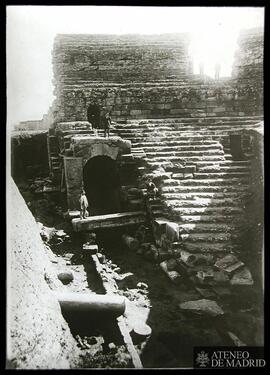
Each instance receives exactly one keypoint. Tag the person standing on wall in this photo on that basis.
(83, 205)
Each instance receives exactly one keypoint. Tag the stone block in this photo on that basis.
(229, 263)
(65, 277)
(135, 112)
(219, 109)
(203, 306)
(188, 175)
(205, 277)
(242, 277)
(172, 231)
(91, 249)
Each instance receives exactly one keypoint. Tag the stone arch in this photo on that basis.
(101, 181)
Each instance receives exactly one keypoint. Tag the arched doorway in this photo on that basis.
(102, 185)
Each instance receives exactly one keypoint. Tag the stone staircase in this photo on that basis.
(203, 189)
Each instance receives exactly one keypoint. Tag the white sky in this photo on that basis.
(31, 31)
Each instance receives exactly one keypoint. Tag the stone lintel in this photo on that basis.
(108, 221)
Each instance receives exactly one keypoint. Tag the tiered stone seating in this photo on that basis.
(207, 204)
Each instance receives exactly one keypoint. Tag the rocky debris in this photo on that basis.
(152, 252)
(205, 292)
(60, 233)
(172, 231)
(204, 277)
(229, 263)
(40, 185)
(192, 260)
(221, 291)
(206, 306)
(131, 242)
(112, 346)
(90, 248)
(91, 238)
(142, 285)
(242, 277)
(94, 343)
(173, 275)
(66, 277)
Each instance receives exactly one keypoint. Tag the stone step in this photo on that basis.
(197, 189)
(184, 137)
(208, 211)
(184, 127)
(203, 202)
(225, 169)
(170, 143)
(206, 237)
(207, 121)
(108, 221)
(205, 228)
(206, 182)
(210, 219)
(185, 153)
(229, 174)
(196, 119)
(163, 133)
(187, 158)
(228, 163)
(186, 147)
(208, 247)
(198, 164)
(200, 195)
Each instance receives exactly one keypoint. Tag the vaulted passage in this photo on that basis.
(102, 183)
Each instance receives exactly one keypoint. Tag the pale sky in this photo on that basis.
(31, 31)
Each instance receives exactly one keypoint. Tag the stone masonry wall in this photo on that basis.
(120, 58)
(150, 77)
(248, 67)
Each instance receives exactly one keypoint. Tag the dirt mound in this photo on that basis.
(38, 337)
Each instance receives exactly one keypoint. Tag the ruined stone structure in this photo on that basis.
(200, 142)
(145, 77)
(142, 77)
(197, 154)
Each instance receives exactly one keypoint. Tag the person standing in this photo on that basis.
(83, 205)
(107, 124)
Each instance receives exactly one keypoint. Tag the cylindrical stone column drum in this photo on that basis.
(91, 303)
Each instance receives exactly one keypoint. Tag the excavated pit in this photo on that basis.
(174, 332)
